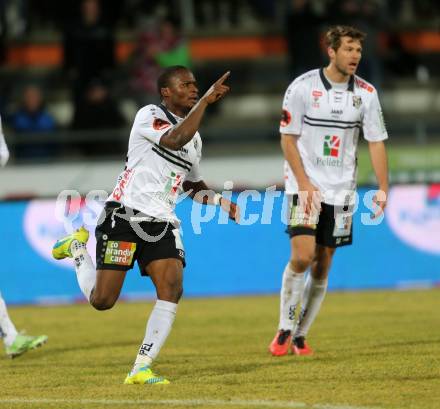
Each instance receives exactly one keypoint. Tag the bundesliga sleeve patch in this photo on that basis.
(119, 252)
(159, 124)
(286, 118)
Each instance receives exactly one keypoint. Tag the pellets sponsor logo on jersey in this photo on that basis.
(330, 152)
(357, 101)
(286, 118)
(159, 124)
(173, 183)
(331, 145)
(119, 252)
(171, 190)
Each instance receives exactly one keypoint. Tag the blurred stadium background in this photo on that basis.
(73, 73)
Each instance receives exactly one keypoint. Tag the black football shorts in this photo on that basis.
(333, 226)
(126, 235)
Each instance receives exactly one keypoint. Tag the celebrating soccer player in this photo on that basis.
(139, 223)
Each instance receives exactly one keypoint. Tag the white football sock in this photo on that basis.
(7, 329)
(84, 267)
(158, 327)
(314, 293)
(290, 295)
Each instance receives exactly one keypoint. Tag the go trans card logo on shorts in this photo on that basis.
(119, 252)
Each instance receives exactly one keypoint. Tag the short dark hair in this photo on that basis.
(334, 35)
(164, 78)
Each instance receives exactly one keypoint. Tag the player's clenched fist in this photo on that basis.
(217, 90)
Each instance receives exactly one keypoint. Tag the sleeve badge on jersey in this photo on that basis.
(159, 124)
(286, 118)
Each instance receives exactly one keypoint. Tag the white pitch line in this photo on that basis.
(188, 402)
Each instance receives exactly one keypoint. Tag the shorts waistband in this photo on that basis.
(138, 216)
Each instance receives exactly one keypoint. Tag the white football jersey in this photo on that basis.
(328, 118)
(152, 179)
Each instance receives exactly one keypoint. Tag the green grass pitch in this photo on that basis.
(372, 350)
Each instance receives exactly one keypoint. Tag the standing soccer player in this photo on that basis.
(140, 224)
(15, 343)
(323, 113)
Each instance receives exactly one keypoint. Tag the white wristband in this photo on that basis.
(216, 199)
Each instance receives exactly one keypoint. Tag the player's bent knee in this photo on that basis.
(301, 262)
(102, 303)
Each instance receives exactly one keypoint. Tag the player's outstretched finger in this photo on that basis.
(223, 78)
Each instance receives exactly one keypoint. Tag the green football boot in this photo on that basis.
(61, 249)
(24, 343)
(145, 376)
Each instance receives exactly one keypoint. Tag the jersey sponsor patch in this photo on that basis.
(159, 124)
(316, 95)
(123, 180)
(286, 118)
(119, 252)
(331, 145)
(342, 226)
(364, 85)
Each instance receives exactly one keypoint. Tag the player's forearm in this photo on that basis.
(379, 162)
(200, 192)
(182, 133)
(291, 154)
